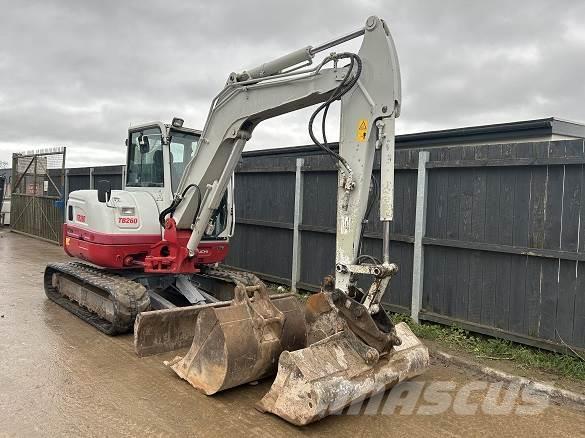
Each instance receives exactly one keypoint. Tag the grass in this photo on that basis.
(498, 349)
(486, 347)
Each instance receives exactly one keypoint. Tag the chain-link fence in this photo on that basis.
(38, 191)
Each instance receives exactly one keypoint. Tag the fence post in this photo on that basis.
(91, 182)
(64, 175)
(66, 186)
(298, 217)
(420, 223)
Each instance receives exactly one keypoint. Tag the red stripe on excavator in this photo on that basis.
(122, 252)
(110, 239)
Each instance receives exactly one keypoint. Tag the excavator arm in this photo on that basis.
(369, 89)
(353, 349)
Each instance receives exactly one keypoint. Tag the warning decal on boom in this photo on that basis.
(362, 130)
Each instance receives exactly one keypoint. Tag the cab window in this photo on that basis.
(182, 146)
(145, 165)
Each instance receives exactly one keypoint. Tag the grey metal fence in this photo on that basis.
(501, 252)
(86, 177)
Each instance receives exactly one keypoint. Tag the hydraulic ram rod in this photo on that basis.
(337, 41)
(294, 58)
(275, 66)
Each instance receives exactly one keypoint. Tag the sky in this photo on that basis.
(78, 73)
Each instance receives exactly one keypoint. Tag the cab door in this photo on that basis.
(146, 165)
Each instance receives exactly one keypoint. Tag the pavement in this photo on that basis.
(61, 377)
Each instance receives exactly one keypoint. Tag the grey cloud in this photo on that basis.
(78, 73)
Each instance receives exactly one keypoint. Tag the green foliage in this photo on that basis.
(487, 347)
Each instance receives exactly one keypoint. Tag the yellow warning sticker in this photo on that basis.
(362, 130)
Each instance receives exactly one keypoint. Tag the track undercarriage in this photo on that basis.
(105, 300)
(112, 300)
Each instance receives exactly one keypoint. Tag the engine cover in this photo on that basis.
(115, 234)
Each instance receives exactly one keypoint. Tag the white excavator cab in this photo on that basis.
(156, 157)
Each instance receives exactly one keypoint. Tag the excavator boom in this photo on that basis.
(354, 350)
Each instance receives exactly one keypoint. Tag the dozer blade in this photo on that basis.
(161, 331)
(336, 371)
(241, 343)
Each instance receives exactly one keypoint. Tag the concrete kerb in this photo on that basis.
(557, 394)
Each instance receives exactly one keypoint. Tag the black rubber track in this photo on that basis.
(129, 298)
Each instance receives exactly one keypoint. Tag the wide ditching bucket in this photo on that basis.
(339, 370)
(241, 342)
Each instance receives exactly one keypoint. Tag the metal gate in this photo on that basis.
(38, 193)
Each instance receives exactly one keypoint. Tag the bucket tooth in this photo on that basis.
(241, 343)
(333, 373)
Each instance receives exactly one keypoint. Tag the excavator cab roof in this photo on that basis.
(164, 128)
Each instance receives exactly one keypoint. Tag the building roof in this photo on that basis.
(492, 133)
(495, 133)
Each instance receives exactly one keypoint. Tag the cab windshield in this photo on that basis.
(145, 164)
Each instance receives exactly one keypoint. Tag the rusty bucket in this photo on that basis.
(337, 371)
(242, 342)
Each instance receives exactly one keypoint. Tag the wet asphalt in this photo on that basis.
(61, 377)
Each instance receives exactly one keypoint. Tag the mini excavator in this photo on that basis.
(150, 255)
